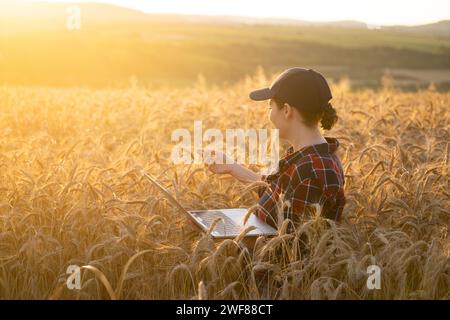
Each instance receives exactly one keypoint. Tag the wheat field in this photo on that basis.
(71, 194)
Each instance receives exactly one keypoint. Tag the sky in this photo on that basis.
(374, 12)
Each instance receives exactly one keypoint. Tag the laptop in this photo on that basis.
(229, 223)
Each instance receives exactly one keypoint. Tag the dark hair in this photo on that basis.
(327, 116)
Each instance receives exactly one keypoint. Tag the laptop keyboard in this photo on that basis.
(225, 226)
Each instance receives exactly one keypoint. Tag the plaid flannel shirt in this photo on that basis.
(311, 175)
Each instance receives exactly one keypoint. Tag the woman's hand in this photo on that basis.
(219, 163)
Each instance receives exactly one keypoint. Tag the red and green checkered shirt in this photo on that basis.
(311, 175)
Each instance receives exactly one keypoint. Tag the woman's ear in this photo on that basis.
(288, 110)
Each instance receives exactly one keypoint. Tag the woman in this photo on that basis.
(310, 173)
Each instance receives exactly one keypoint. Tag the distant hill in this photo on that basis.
(257, 21)
(439, 29)
(100, 12)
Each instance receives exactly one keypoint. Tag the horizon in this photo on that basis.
(371, 13)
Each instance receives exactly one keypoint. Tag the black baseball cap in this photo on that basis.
(301, 88)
